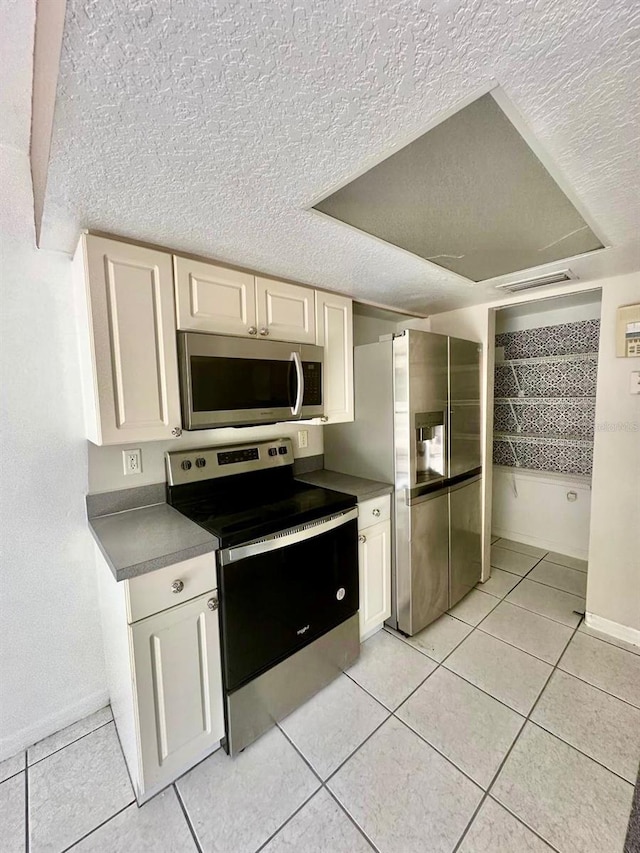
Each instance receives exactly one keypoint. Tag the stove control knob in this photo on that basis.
(186, 465)
(282, 451)
(340, 594)
(200, 462)
(273, 451)
(212, 604)
(177, 586)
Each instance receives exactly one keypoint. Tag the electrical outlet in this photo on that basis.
(303, 438)
(132, 461)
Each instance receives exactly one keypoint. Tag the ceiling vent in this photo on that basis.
(541, 281)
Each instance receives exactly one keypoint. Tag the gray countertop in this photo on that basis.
(140, 540)
(358, 486)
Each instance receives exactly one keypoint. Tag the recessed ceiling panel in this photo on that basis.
(470, 195)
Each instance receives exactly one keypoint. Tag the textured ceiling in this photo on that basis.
(212, 127)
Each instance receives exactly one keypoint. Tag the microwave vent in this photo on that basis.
(541, 281)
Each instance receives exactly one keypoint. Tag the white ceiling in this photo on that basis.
(211, 127)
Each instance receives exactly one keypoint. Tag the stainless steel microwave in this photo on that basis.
(238, 382)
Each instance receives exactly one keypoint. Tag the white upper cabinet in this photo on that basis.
(210, 298)
(286, 312)
(334, 318)
(128, 341)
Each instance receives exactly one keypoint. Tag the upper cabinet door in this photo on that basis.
(214, 299)
(334, 317)
(130, 360)
(286, 312)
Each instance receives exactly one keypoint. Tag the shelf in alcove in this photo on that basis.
(558, 401)
(536, 438)
(549, 359)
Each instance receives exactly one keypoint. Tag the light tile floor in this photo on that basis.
(506, 726)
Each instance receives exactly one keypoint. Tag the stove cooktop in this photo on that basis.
(244, 492)
(248, 509)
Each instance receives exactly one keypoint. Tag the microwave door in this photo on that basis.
(298, 395)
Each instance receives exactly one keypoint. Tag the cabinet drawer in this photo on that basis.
(154, 591)
(374, 511)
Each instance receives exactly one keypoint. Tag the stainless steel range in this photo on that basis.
(287, 577)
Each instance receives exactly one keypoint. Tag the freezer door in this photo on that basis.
(464, 402)
(423, 581)
(465, 547)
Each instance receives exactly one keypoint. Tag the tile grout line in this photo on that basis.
(510, 750)
(27, 839)
(71, 742)
(323, 785)
(508, 753)
(185, 813)
(99, 826)
(610, 643)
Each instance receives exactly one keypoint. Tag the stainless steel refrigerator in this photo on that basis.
(417, 424)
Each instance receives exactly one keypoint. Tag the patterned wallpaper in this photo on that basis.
(545, 406)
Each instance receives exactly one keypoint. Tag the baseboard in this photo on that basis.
(537, 542)
(613, 629)
(43, 728)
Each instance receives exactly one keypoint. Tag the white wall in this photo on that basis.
(51, 658)
(105, 463)
(613, 585)
(613, 592)
(541, 508)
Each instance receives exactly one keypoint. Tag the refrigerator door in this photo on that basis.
(464, 412)
(423, 584)
(465, 548)
(421, 391)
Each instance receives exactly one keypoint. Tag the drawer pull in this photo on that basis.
(376, 512)
(212, 604)
(362, 538)
(177, 586)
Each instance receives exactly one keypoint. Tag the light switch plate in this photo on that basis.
(634, 382)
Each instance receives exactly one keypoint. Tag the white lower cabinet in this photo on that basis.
(374, 559)
(178, 684)
(163, 670)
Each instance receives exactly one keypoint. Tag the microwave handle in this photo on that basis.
(297, 407)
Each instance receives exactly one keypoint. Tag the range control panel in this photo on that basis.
(207, 463)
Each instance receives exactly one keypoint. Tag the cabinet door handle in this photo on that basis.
(176, 431)
(212, 604)
(376, 512)
(177, 586)
(362, 538)
(264, 331)
(252, 330)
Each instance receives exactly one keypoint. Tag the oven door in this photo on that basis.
(279, 594)
(233, 382)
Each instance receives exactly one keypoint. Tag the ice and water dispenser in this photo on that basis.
(430, 446)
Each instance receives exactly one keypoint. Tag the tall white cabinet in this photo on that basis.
(374, 562)
(334, 332)
(128, 341)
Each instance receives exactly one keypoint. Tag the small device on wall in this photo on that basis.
(628, 331)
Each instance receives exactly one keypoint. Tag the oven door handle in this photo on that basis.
(297, 406)
(286, 538)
